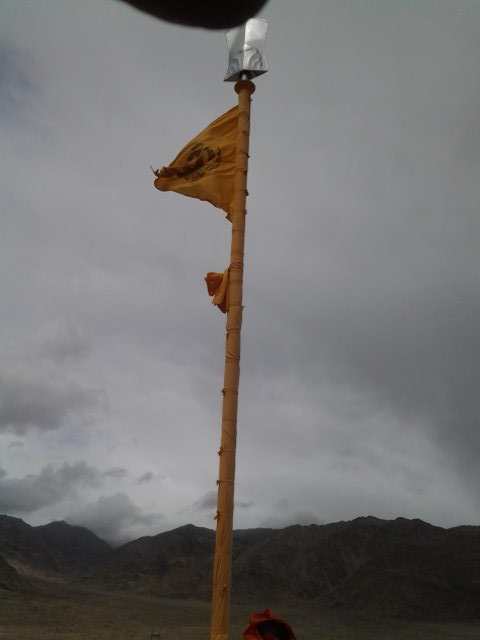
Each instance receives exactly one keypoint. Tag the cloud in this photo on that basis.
(16, 81)
(62, 343)
(285, 514)
(412, 352)
(244, 504)
(208, 502)
(360, 335)
(16, 444)
(51, 486)
(28, 400)
(118, 473)
(115, 518)
(146, 477)
(38, 381)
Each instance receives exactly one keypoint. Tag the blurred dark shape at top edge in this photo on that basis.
(209, 14)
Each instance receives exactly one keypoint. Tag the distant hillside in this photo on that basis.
(175, 564)
(413, 570)
(10, 579)
(53, 551)
(404, 568)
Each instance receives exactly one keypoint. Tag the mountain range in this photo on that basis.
(401, 568)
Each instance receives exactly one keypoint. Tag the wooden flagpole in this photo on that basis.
(222, 569)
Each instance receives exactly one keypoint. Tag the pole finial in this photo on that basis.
(246, 50)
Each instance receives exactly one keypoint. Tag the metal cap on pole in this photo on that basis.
(246, 50)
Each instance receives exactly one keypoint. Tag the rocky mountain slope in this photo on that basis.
(404, 568)
(53, 551)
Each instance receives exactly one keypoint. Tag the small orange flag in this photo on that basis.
(205, 168)
(217, 286)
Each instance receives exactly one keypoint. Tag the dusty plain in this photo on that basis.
(74, 612)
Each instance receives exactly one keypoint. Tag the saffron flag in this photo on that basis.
(205, 167)
(217, 286)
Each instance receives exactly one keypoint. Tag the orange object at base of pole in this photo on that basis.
(222, 569)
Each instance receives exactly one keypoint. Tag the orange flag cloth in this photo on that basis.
(205, 168)
(217, 285)
(266, 626)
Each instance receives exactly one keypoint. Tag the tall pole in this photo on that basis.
(246, 60)
(222, 566)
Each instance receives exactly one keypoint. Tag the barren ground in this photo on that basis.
(69, 612)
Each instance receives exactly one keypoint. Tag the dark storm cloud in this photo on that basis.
(50, 486)
(115, 518)
(29, 400)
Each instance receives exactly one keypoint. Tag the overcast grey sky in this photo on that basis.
(359, 389)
